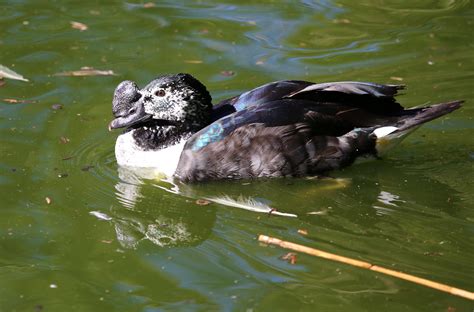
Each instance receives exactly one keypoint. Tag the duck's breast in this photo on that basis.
(129, 154)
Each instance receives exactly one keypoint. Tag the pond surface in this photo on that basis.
(112, 240)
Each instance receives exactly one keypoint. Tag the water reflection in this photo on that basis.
(136, 190)
(388, 199)
(334, 203)
(145, 214)
(131, 181)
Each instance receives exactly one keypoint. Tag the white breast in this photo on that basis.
(130, 155)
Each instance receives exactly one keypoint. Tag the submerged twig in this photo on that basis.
(366, 265)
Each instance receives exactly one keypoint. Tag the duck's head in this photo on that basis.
(179, 101)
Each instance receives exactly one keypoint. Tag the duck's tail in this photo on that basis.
(389, 136)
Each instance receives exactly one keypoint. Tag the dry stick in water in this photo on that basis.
(366, 265)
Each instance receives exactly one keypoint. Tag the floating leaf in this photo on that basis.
(433, 253)
(322, 212)
(193, 61)
(202, 202)
(79, 26)
(396, 78)
(64, 140)
(149, 5)
(6, 72)
(303, 231)
(87, 71)
(341, 21)
(16, 101)
(227, 73)
(290, 257)
(87, 168)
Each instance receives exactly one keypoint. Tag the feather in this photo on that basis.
(100, 215)
(354, 88)
(249, 204)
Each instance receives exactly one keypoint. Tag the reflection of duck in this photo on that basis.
(149, 216)
(165, 218)
(285, 128)
(170, 215)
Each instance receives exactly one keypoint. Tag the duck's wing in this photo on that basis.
(337, 107)
(327, 118)
(357, 92)
(281, 112)
(267, 93)
(352, 88)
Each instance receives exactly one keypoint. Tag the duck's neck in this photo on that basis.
(154, 137)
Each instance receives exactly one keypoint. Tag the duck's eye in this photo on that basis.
(160, 92)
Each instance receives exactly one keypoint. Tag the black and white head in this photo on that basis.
(170, 103)
(179, 100)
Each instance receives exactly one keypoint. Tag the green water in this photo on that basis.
(110, 241)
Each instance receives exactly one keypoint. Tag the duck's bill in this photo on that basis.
(125, 122)
(127, 118)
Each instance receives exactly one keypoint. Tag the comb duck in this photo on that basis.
(283, 128)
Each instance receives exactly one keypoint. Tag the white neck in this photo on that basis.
(129, 154)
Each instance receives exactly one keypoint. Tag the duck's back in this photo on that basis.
(295, 128)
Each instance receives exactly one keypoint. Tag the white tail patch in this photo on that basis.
(389, 137)
(248, 204)
(384, 131)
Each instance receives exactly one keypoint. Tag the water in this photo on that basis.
(114, 241)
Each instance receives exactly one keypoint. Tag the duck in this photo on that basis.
(288, 128)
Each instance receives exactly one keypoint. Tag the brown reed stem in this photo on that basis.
(366, 265)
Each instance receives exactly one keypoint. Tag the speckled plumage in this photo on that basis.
(284, 128)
